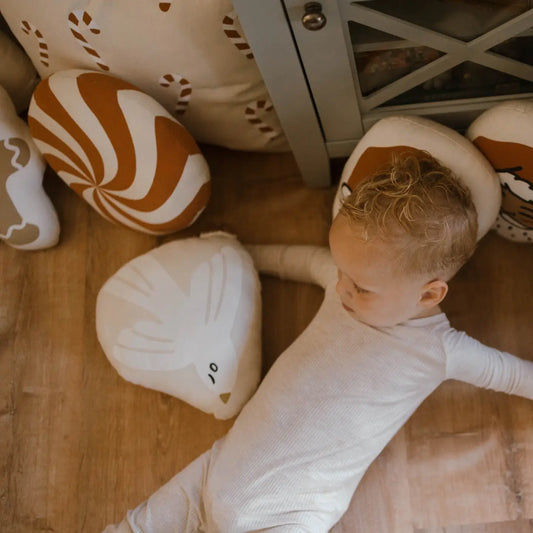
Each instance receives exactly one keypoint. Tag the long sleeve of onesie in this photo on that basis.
(308, 264)
(470, 361)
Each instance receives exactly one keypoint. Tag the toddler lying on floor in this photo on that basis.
(378, 346)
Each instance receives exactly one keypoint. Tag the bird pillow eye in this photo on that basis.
(185, 319)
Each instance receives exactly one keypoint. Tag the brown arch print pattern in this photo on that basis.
(373, 158)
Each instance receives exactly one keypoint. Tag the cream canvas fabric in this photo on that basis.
(185, 319)
(190, 56)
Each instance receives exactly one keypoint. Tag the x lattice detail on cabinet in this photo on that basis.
(456, 51)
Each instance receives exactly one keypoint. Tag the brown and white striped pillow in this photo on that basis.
(120, 150)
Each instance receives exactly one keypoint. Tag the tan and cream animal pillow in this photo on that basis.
(504, 134)
(192, 57)
(120, 151)
(410, 133)
(27, 217)
(185, 319)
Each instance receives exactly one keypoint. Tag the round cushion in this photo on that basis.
(119, 150)
(399, 134)
(27, 217)
(504, 134)
(185, 319)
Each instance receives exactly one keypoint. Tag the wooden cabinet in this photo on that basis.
(444, 59)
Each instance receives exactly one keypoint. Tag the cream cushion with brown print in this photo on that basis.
(190, 56)
(27, 217)
(398, 134)
(504, 134)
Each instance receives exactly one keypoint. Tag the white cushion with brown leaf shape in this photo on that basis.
(185, 319)
(399, 134)
(191, 56)
(27, 217)
(120, 150)
(504, 134)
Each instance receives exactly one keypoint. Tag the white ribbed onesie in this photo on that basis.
(326, 409)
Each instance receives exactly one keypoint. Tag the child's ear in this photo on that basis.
(433, 293)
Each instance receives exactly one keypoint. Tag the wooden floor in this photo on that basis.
(79, 445)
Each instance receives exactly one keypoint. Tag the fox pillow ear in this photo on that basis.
(27, 217)
(398, 134)
(185, 319)
(504, 134)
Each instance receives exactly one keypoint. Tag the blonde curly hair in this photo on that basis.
(421, 209)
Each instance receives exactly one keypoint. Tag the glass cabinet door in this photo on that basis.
(354, 62)
(447, 60)
(416, 52)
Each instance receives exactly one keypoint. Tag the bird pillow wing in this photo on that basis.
(185, 319)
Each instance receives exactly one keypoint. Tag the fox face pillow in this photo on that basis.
(184, 319)
(504, 134)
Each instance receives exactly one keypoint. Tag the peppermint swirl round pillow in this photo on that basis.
(120, 150)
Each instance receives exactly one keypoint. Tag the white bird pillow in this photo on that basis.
(185, 319)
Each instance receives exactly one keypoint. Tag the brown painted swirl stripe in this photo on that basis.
(95, 144)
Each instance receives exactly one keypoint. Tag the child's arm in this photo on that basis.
(308, 264)
(473, 362)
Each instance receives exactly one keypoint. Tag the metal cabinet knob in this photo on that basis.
(313, 18)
